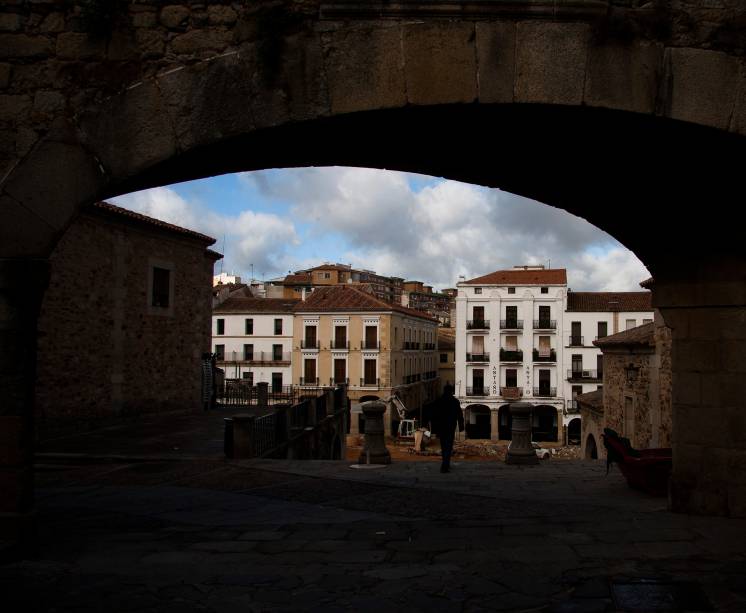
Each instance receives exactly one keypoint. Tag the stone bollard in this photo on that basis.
(520, 450)
(262, 394)
(243, 436)
(374, 451)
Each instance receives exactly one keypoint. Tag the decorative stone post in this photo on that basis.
(243, 436)
(374, 451)
(262, 394)
(520, 450)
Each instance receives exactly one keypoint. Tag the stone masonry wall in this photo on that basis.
(103, 354)
(616, 388)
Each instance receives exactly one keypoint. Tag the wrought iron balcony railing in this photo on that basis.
(305, 381)
(511, 355)
(576, 341)
(309, 344)
(476, 391)
(511, 324)
(545, 324)
(577, 374)
(545, 356)
(477, 324)
(477, 357)
(369, 382)
(340, 344)
(366, 344)
(545, 392)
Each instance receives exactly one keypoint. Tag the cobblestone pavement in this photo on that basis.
(208, 535)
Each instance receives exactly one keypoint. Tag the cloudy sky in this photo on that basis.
(400, 224)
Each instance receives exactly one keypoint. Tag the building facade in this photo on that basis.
(346, 335)
(253, 339)
(416, 295)
(516, 339)
(124, 322)
(446, 356)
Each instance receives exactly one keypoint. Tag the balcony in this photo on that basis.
(369, 382)
(511, 355)
(476, 391)
(511, 393)
(545, 392)
(309, 344)
(336, 381)
(477, 324)
(477, 357)
(428, 346)
(545, 324)
(545, 356)
(265, 357)
(411, 346)
(412, 379)
(572, 407)
(308, 382)
(584, 375)
(511, 324)
(370, 345)
(576, 341)
(340, 344)
(428, 376)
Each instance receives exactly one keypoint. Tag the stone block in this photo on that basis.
(131, 132)
(738, 121)
(701, 86)
(687, 388)
(624, 76)
(364, 69)
(496, 61)
(48, 101)
(697, 355)
(10, 22)
(737, 499)
(201, 119)
(23, 46)
(150, 43)
(22, 233)
(14, 108)
(145, 19)
(53, 23)
(17, 485)
(440, 65)
(5, 70)
(174, 16)
(14, 442)
(79, 46)
(201, 41)
(221, 15)
(550, 62)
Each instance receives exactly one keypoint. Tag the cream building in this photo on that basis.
(343, 334)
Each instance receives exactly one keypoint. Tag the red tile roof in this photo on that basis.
(594, 399)
(151, 221)
(341, 298)
(248, 305)
(297, 280)
(584, 302)
(517, 276)
(643, 335)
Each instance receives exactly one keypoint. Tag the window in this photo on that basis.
(310, 337)
(544, 316)
(309, 372)
(600, 365)
(603, 329)
(277, 353)
(220, 352)
(477, 290)
(576, 340)
(511, 343)
(544, 290)
(248, 352)
(340, 337)
(478, 316)
(278, 326)
(577, 364)
(369, 369)
(340, 370)
(477, 381)
(511, 316)
(647, 321)
(511, 290)
(249, 326)
(545, 347)
(276, 381)
(544, 383)
(371, 337)
(220, 326)
(511, 377)
(327, 275)
(249, 377)
(444, 358)
(161, 287)
(630, 323)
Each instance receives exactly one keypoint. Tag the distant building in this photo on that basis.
(421, 297)
(521, 335)
(346, 335)
(124, 322)
(446, 356)
(225, 279)
(253, 339)
(636, 395)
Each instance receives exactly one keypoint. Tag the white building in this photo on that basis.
(253, 338)
(513, 341)
(225, 279)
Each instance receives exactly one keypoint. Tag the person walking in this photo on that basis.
(445, 417)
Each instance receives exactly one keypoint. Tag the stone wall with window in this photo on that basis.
(124, 322)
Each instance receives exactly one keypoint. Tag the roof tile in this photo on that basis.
(547, 276)
(246, 304)
(609, 301)
(340, 298)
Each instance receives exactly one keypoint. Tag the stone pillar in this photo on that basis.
(243, 436)
(374, 450)
(706, 312)
(22, 286)
(520, 450)
(386, 420)
(354, 422)
(262, 394)
(494, 425)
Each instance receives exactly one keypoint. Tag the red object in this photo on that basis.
(648, 472)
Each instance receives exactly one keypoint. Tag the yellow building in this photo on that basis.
(343, 334)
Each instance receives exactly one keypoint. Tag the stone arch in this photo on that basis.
(591, 451)
(505, 423)
(477, 417)
(573, 431)
(544, 423)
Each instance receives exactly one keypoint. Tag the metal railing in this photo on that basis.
(431, 374)
(577, 374)
(340, 344)
(369, 382)
(576, 341)
(428, 346)
(366, 344)
(240, 392)
(545, 324)
(309, 344)
(476, 391)
(545, 392)
(572, 407)
(477, 324)
(540, 356)
(306, 381)
(511, 392)
(255, 356)
(511, 324)
(477, 357)
(511, 355)
(335, 381)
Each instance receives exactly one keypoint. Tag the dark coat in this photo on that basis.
(446, 414)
